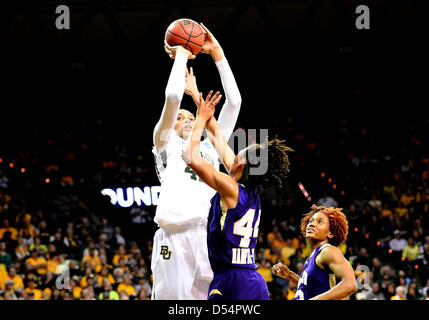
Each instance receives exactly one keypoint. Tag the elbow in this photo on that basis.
(236, 102)
(186, 156)
(351, 287)
(173, 98)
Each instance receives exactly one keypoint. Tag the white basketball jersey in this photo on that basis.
(184, 198)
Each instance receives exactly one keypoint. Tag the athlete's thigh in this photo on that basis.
(175, 267)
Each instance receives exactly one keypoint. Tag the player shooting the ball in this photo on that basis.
(180, 263)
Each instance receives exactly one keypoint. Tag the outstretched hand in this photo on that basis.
(206, 108)
(172, 51)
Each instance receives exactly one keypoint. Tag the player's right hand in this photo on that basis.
(172, 51)
(280, 270)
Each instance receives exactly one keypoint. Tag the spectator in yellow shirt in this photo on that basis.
(36, 263)
(265, 271)
(31, 287)
(305, 248)
(105, 274)
(27, 226)
(75, 289)
(411, 251)
(53, 264)
(407, 198)
(103, 265)
(127, 287)
(84, 280)
(386, 211)
(122, 254)
(12, 276)
(92, 258)
(7, 228)
(287, 252)
(22, 217)
(289, 294)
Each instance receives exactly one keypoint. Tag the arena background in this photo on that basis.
(348, 101)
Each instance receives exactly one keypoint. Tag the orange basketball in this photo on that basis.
(186, 33)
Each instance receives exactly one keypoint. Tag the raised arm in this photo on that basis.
(229, 114)
(173, 94)
(219, 181)
(214, 131)
(218, 140)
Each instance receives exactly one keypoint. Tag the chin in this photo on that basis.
(186, 134)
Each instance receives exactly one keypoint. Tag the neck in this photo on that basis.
(314, 244)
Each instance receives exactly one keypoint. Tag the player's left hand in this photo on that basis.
(280, 270)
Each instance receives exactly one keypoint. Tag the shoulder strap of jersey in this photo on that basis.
(320, 250)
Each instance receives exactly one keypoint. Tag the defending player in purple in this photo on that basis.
(236, 208)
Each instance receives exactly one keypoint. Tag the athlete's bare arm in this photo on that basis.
(218, 140)
(332, 258)
(173, 94)
(222, 183)
(214, 131)
(282, 271)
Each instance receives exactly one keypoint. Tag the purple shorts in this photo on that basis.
(238, 284)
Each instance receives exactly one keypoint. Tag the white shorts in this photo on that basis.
(180, 265)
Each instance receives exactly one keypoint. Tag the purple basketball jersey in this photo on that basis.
(232, 238)
(314, 280)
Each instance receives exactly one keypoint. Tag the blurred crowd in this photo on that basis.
(45, 255)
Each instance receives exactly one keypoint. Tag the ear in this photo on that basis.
(330, 235)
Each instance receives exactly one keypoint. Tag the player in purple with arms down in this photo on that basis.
(326, 229)
(235, 213)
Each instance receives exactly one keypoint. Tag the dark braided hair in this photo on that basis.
(278, 165)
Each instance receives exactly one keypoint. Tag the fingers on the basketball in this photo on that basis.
(206, 30)
(166, 45)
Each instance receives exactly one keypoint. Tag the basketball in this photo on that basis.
(186, 33)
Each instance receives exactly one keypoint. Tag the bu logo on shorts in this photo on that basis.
(165, 253)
